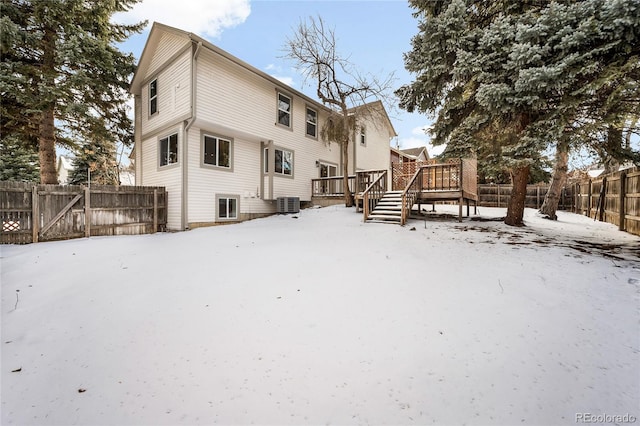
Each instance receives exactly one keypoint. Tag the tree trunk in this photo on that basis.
(348, 197)
(613, 149)
(560, 168)
(46, 126)
(515, 210)
(47, 148)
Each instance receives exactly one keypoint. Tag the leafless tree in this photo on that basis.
(338, 85)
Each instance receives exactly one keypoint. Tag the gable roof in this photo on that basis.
(416, 151)
(377, 105)
(153, 42)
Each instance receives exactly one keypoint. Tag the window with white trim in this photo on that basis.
(312, 123)
(227, 207)
(153, 97)
(284, 110)
(217, 151)
(169, 150)
(283, 163)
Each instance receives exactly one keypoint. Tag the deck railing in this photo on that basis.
(330, 186)
(334, 186)
(373, 193)
(410, 194)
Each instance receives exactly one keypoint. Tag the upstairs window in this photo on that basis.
(217, 151)
(153, 97)
(169, 150)
(363, 140)
(284, 110)
(312, 123)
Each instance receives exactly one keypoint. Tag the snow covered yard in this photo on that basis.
(322, 319)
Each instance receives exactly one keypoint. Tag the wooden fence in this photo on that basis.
(32, 213)
(494, 195)
(614, 198)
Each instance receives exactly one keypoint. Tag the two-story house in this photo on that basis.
(226, 139)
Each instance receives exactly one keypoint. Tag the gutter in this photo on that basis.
(185, 138)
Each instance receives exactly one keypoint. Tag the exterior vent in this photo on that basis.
(288, 204)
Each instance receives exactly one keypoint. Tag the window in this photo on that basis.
(312, 123)
(283, 162)
(153, 97)
(217, 151)
(169, 150)
(227, 208)
(363, 140)
(284, 110)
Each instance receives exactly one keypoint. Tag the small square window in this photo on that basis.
(284, 110)
(153, 97)
(228, 208)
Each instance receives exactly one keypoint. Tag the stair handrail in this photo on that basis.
(376, 189)
(410, 194)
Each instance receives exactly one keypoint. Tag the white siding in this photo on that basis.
(236, 98)
(243, 180)
(168, 176)
(174, 94)
(375, 153)
(169, 45)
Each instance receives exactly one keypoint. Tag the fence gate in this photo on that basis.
(31, 213)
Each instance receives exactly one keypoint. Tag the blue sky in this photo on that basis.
(374, 34)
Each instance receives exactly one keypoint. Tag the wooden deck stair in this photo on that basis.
(388, 209)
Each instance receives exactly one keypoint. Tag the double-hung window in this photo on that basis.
(312, 123)
(153, 97)
(169, 150)
(217, 151)
(283, 164)
(284, 110)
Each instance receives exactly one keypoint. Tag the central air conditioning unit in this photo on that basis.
(288, 204)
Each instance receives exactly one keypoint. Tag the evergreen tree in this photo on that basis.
(509, 77)
(61, 75)
(95, 161)
(18, 162)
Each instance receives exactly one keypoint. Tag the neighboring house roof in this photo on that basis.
(401, 153)
(416, 151)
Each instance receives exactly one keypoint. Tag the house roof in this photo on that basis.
(380, 107)
(152, 43)
(154, 39)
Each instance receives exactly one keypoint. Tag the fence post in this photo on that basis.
(589, 199)
(537, 196)
(87, 212)
(623, 182)
(498, 196)
(155, 211)
(35, 214)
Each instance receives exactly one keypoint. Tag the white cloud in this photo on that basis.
(420, 131)
(286, 80)
(203, 17)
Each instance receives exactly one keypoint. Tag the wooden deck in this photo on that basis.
(413, 184)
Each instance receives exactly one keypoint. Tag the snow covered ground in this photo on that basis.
(319, 318)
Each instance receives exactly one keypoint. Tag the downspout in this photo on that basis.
(185, 139)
